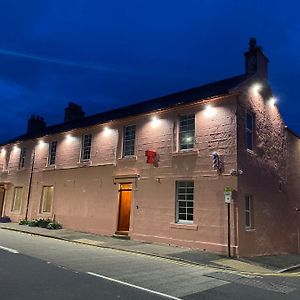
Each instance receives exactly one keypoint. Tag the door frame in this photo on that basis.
(119, 204)
(2, 208)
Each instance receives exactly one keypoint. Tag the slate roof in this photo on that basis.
(216, 88)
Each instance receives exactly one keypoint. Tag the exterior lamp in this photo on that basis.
(107, 131)
(257, 87)
(209, 111)
(272, 101)
(155, 121)
(3, 151)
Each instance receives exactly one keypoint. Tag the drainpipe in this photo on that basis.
(30, 183)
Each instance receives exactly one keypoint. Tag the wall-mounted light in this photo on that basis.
(3, 151)
(257, 87)
(209, 111)
(272, 101)
(106, 131)
(69, 137)
(15, 147)
(41, 142)
(155, 121)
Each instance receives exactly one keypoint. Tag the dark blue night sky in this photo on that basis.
(105, 54)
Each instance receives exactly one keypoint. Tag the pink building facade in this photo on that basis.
(91, 173)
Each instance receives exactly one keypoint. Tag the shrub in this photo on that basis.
(54, 225)
(43, 222)
(33, 223)
(23, 222)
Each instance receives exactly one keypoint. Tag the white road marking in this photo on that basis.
(134, 286)
(9, 250)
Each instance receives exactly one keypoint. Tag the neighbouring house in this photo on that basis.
(158, 170)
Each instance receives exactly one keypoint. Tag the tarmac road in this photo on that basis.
(35, 267)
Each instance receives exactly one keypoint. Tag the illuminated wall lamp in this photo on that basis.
(155, 121)
(209, 111)
(257, 87)
(272, 101)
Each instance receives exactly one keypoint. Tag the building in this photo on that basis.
(157, 170)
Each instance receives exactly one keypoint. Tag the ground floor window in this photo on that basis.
(47, 199)
(17, 200)
(184, 201)
(249, 212)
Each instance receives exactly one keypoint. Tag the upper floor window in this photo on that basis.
(184, 201)
(86, 147)
(6, 161)
(22, 158)
(249, 212)
(186, 132)
(17, 200)
(249, 131)
(52, 153)
(129, 140)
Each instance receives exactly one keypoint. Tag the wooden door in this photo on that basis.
(125, 192)
(2, 192)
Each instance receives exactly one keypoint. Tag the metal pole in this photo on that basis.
(30, 183)
(228, 227)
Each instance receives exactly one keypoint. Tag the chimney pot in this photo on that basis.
(35, 124)
(73, 112)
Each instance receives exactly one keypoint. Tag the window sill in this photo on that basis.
(251, 152)
(51, 167)
(249, 229)
(4, 172)
(128, 158)
(85, 163)
(185, 226)
(185, 152)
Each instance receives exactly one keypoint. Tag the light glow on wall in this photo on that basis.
(15, 148)
(3, 151)
(272, 101)
(41, 142)
(155, 121)
(107, 131)
(69, 137)
(209, 111)
(257, 87)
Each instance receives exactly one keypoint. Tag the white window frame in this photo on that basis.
(249, 212)
(250, 131)
(86, 148)
(188, 207)
(52, 153)
(20, 194)
(42, 205)
(23, 154)
(129, 140)
(180, 131)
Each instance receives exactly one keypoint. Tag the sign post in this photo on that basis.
(228, 200)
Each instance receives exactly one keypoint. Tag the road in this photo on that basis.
(33, 267)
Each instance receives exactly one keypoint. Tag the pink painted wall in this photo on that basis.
(265, 177)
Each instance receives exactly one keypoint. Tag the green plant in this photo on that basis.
(54, 225)
(23, 222)
(33, 223)
(43, 222)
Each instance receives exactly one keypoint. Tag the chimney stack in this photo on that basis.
(35, 124)
(73, 112)
(255, 60)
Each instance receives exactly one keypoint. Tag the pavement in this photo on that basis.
(265, 265)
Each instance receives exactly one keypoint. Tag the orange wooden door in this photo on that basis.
(124, 206)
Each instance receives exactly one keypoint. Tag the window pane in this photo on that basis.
(86, 147)
(249, 212)
(185, 198)
(17, 200)
(47, 198)
(249, 140)
(129, 140)
(186, 132)
(249, 121)
(52, 153)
